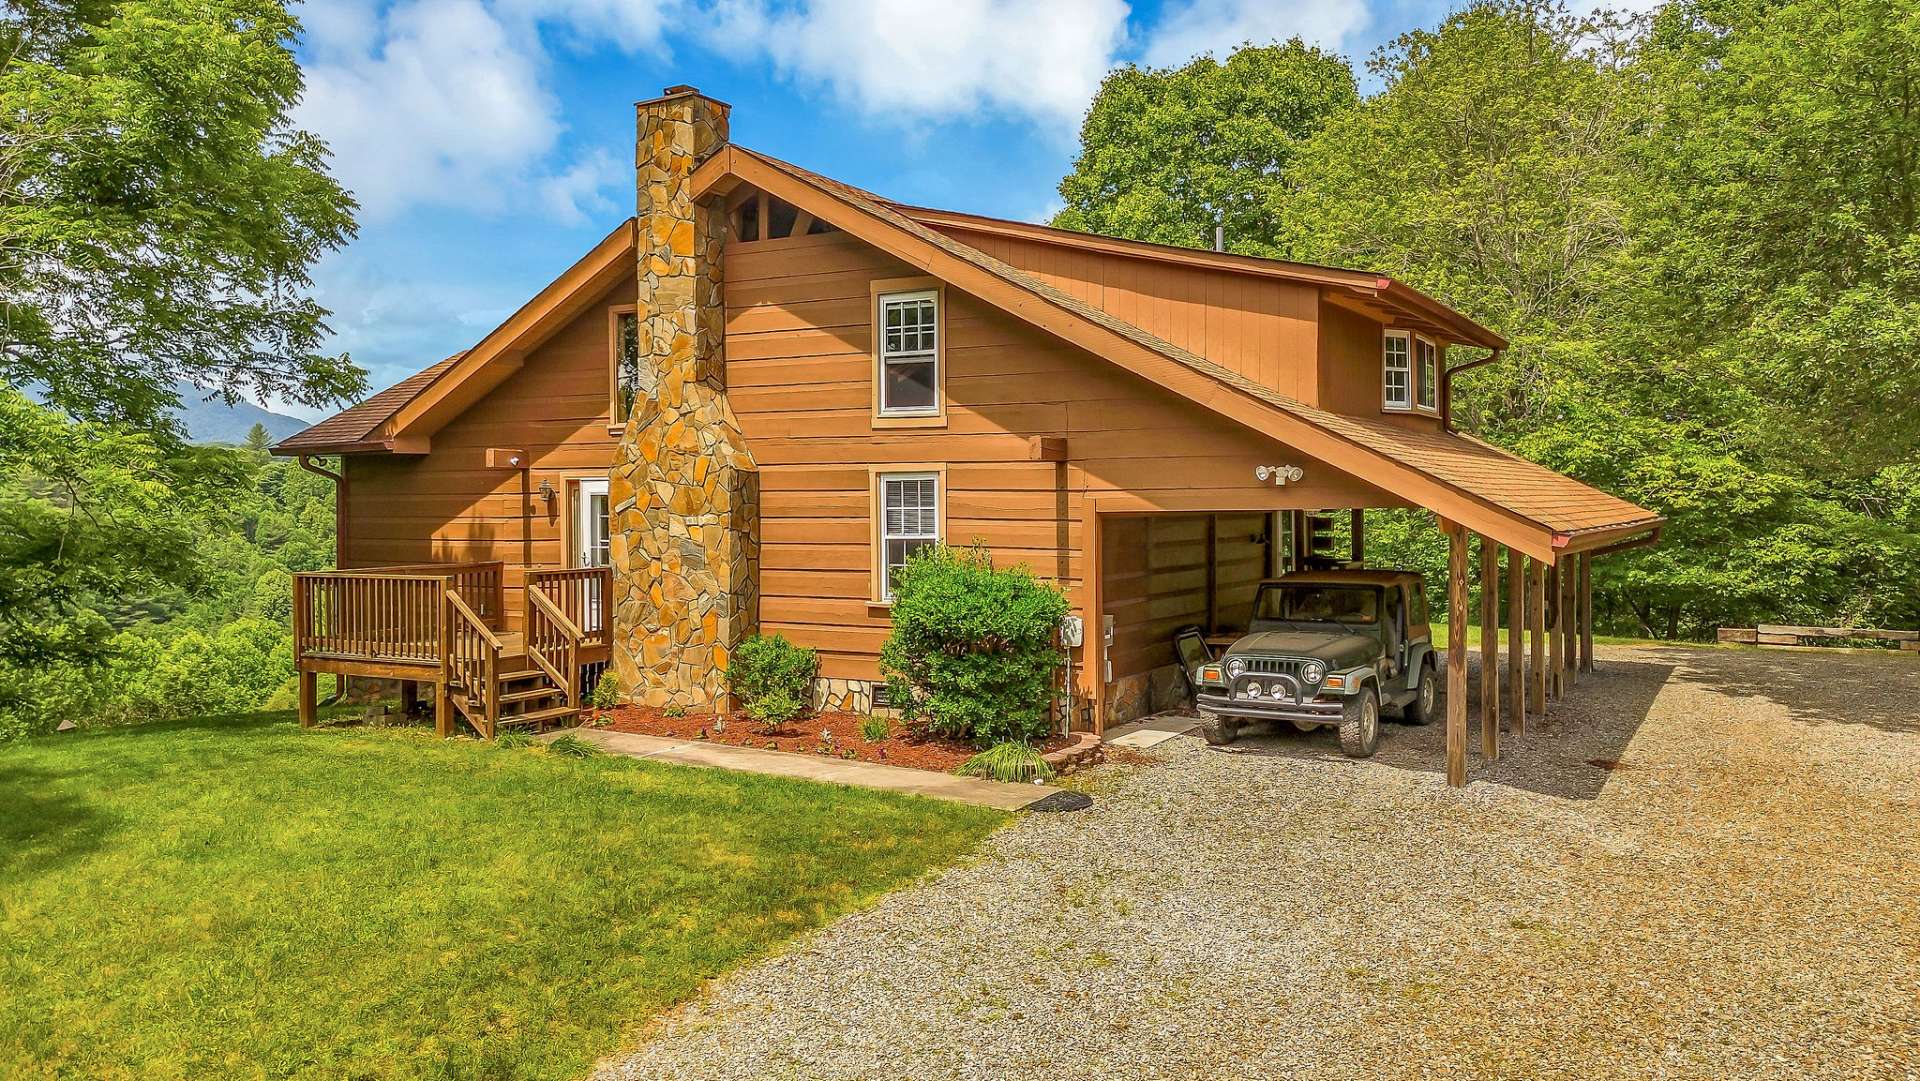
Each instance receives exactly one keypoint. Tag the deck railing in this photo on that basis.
(371, 615)
(583, 594)
(553, 643)
(482, 585)
(473, 662)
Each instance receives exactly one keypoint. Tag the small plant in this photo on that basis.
(772, 678)
(574, 747)
(606, 693)
(1010, 761)
(675, 711)
(875, 729)
(513, 738)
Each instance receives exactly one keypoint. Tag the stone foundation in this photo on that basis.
(844, 695)
(1130, 698)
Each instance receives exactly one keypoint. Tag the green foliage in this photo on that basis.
(875, 729)
(1167, 155)
(1013, 761)
(606, 693)
(1709, 316)
(772, 678)
(571, 746)
(973, 649)
(138, 851)
(142, 583)
(158, 211)
(513, 738)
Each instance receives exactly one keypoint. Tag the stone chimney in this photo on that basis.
(684, 492)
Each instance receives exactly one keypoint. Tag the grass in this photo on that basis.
(236, 897)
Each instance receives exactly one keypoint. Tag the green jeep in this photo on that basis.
(1330, 647)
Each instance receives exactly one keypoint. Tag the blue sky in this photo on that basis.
(490, 141)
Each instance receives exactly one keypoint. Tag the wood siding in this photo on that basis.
(448, 505)
(799, 368)
(1262, 328)
(1158, 571)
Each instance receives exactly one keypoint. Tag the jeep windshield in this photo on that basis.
(1314, 606)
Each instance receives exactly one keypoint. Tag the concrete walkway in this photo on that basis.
(807, 767)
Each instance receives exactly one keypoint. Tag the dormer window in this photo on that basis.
(1396, 367)
(1409, 373)
(1426, 359)
(908, 353)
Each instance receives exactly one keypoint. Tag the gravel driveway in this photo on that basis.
(1729, 892)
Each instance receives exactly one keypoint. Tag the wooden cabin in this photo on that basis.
(749, 402)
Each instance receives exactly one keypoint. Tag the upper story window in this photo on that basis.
(1397, 370)
(625, 348)
(1426, 358)
(908, 379)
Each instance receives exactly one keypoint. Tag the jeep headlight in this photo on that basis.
(1312, 672)
(1235, 666)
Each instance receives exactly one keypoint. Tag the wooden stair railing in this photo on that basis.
(583, 594)
(553, 643)
(473, 662)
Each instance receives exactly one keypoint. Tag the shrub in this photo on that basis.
(606, 693)
(1015, 762)
(875, 729)
(772, 678)
(973, 650)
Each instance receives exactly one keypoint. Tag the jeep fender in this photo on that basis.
(1417, 655)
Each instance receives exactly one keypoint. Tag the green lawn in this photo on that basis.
(236, 897)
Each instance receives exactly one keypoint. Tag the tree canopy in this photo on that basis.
(1697, 230)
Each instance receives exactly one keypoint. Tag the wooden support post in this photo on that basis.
(409, 696)
(1537, 630)
(1456, 654)
(442, 709)
(1568, 614)
(1556, 614)
(1516, 644)
(1358, 550)
(309, 708)
(1586, 611)
(1489, 649)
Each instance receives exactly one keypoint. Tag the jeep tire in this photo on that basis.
(1218, 731)
(1421, 710)
(1360, 724)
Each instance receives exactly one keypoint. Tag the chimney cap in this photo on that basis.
(682, 91)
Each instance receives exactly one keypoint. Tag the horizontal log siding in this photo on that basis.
(1260, 327)
(799, 371)
(447, 505)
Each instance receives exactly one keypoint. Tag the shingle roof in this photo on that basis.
(359, 424)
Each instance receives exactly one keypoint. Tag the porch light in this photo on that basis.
(547, 493)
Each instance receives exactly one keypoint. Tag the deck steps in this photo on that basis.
(556, 715)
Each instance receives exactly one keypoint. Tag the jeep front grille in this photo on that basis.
(1277, 666)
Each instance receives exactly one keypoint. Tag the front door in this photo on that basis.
(590, 531)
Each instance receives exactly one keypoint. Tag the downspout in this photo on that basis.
(339, 537)
(1446, 386)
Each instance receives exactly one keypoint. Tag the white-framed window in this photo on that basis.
(909, 521)
(909, 354)
(1396, 370)
(1426, 359)
(590, 527)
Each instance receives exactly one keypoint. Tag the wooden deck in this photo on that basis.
(444, 625)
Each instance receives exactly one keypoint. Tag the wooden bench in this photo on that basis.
(1773, 634)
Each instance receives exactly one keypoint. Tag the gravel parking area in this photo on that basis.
(1706, 865)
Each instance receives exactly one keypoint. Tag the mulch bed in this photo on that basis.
(832, 734)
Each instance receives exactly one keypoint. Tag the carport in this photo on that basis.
(1160, 560)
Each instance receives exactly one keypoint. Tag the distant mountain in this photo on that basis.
(215, 422)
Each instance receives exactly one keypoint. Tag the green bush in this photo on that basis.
(875, 729)
(772, 678)
(973, 652)
(1015, 762)
(606, 693)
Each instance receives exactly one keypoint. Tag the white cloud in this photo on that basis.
(1191, 27)
(928, 58)
(633, 25)
(578, 192)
